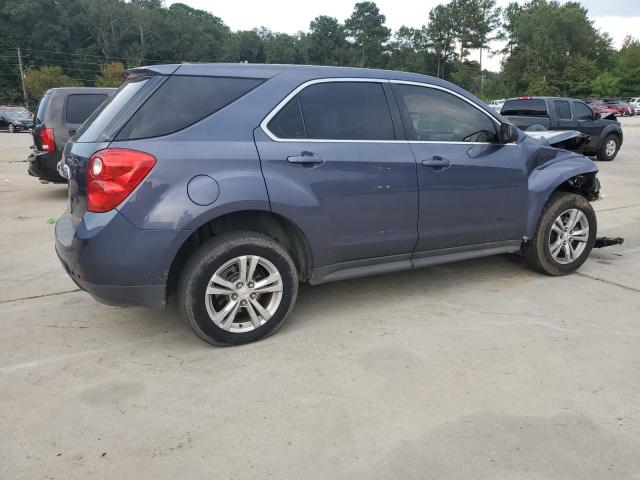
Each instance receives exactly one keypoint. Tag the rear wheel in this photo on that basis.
(237, 288)
(609, 148)
(564, 236)
(12, 128)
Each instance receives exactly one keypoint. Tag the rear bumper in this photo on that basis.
(117, 263)
(45, 166)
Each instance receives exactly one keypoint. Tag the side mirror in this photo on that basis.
(596, 115)
(508, 133)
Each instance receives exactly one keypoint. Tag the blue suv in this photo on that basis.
(227, 185)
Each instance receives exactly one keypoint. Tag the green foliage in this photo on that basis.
(551, 47)
(39, 80)
(110, 75)
(606, 85)
(366, 27)
(628, 67)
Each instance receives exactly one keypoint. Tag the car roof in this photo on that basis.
(81, 90)
(260, 70)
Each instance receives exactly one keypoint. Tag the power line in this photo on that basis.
(89, 55)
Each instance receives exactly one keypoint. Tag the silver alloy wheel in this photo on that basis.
(610, 148)
(11, 128)
(244, 293)
(569, 235)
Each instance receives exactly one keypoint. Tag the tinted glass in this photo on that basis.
(562, 109)
(525, 108)
(42, 106)
(346, 111)
(182, 101)
(583, 112)
(437, 116)
(79, 107)
(288, 122)
(105, 122)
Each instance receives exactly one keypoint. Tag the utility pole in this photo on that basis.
(24, 86)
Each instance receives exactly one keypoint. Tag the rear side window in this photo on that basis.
(525, 108)
(347, 111)
(80, 106)
(42, 106)
(433, 115)
(288, 123)
(182, 101)
(562, 109)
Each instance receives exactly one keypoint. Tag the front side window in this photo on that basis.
(583, 112)
(562, 109)
(434, 115)
(336, 111)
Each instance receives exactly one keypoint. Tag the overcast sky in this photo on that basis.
(616, 17)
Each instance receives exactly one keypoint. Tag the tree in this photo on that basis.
(441, 32)
(606, 85)
(39, 80)
(110, 75)
(546, 39)
(326, 41)
(628, 67)
(366, 27)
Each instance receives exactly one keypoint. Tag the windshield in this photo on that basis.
(105, 123)
(17, 115)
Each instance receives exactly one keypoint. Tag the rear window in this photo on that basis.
(562, 109)
(182, 101)
(80, 106)
(525, 108)
(42, 106)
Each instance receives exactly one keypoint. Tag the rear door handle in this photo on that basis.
(437, 163)
(306, 158)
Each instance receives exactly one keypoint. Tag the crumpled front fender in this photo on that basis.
(546, 175)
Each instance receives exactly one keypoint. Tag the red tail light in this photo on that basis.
(48, 140)
(112, 175)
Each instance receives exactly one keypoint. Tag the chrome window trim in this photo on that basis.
(299, 88)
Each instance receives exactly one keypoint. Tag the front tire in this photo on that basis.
(12, 128)
(237, 288)
(609, 148)
(564, 236)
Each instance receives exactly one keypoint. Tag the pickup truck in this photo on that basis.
(554, 113)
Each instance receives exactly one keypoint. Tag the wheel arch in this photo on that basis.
(575, 174)
(273, 225)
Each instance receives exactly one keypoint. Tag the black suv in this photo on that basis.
(553, 113)
(60, 112)
(15, 119)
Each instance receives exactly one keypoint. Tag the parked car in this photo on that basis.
(227, 184)
(60, 112)
(555, 113)
(603, 109)
(497, 104)
(15, 119)
(623, 108)
(636, 104)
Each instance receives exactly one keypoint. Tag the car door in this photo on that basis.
(473, 190)
(586, 122)
(334, 165)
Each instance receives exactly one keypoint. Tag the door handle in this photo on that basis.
(437, 163)
(306, 158)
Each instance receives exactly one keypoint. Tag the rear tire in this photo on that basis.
(609, 148)
(12, 128)
(237, 288)
(564, 236)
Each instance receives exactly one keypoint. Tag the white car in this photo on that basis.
(497, 104)
(635, 102)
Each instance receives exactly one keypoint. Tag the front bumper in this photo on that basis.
(117, 263)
